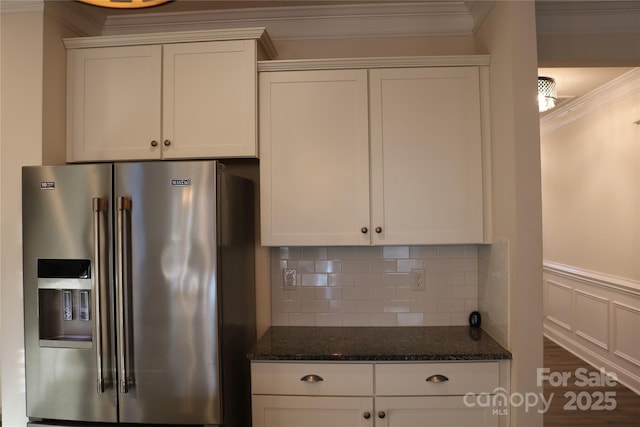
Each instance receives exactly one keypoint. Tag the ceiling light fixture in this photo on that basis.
(124, 4)
(547, 94)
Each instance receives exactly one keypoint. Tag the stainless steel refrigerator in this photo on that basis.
(138, 292)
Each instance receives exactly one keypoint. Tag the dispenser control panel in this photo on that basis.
(64, 300)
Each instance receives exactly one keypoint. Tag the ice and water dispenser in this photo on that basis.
(64, 303)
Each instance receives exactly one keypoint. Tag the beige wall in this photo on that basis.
(20, 143)
(32, 133)
(54, 90)
(508, 34)
(400, 46)
(591, 189)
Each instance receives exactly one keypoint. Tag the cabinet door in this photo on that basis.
(209, 105)
(426, 155)
(113, 103)
(314, 158)
(449, 411)
(304, 411)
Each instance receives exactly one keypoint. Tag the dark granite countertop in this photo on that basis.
(376, 344)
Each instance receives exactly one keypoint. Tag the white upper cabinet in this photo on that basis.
(426, 155)
(168, 96)
(381, 155)
(209, 104)
(114, 103)
(314, 157)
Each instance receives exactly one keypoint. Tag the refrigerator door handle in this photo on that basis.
(98, 206)
(124, 204)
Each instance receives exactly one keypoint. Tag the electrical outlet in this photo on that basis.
(289, 278)
(417, 278)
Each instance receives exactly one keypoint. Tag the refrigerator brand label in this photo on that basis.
(181, 182)
(48, 185)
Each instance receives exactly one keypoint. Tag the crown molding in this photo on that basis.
(375, 19)
(626, 85)
(368, 63)
(478, 10)
(587, 17)
(264, 44)
(388, 19)
(21, 6)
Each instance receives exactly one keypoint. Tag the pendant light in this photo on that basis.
(125, 4)
(547, 93)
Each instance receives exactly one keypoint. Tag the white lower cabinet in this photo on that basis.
(378, 394)
(437, 411)
(433, 394)
(306, 411)
(312, 394)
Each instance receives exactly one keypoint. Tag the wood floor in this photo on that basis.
(627, 403)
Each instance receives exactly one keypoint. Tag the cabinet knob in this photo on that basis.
(154, 143)
(312, 378)
(167, 143)
(381, 414)
(364, 230)
(378, 230)
(366, 415)
(437, 378)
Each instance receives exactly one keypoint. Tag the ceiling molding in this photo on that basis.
(361, 20)
(21, 6)
(389, 19)
(479, 10)
(587, 17)
(617, 89)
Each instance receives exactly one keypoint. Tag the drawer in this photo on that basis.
(331, 379)
(457, 378)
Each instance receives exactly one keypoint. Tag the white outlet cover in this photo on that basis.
(418, 278)
(289, 278)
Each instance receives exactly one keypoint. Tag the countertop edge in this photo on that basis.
(399, 358)
(376, 344)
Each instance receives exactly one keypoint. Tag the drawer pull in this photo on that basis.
(366, 415)
(312, 378)
(437, 378)
(381, 414)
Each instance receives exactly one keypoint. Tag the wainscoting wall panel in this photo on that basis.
(627, 338)
(592, 318)
(557, 304)
(596, 317)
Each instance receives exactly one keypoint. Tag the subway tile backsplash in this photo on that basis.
(374, 286)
